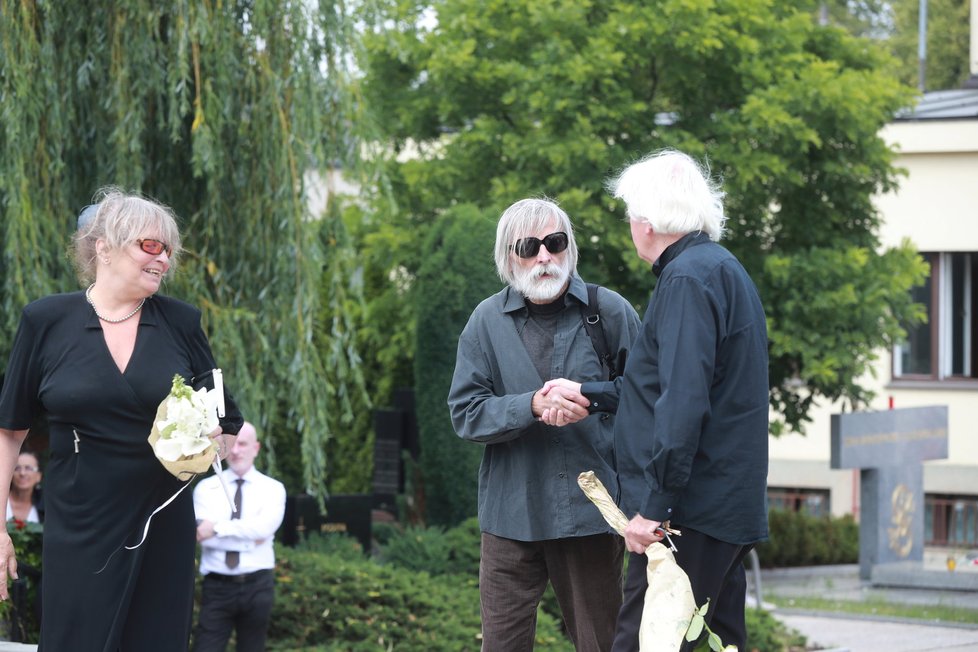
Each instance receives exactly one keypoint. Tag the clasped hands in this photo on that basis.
(560, 402)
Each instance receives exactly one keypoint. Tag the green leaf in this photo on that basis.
(715, 643)
(695, 627)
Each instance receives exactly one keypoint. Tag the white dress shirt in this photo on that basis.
(262, 510)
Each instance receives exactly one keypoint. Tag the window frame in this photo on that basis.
(942, 324)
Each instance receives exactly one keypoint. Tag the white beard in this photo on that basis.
(540, 290)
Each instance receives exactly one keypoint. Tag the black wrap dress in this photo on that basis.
(103, 481)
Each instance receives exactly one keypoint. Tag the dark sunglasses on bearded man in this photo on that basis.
(529, 247)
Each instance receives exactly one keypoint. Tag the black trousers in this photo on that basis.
(715, 570)
(243, 605)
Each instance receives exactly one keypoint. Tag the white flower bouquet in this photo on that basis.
(181, 435)
(181, 431)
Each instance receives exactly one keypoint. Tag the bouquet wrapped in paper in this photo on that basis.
(181, 430)
(181, 438)
(669, 614)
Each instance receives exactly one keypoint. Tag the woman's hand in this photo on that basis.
(224, 442)
(9, 561)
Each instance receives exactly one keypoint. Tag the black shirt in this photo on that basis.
(691, 435)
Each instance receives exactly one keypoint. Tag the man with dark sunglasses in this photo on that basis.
(537, 526)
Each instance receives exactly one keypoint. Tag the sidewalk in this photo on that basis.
(842, 632)
(852, 634)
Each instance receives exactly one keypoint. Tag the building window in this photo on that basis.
(814, 502)
(944, 347)
(951, 521)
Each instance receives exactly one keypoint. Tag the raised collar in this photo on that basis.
(677, 247)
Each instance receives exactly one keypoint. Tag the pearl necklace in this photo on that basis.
(88, 297)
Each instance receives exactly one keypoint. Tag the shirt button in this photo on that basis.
(595, 404)
(560, 475)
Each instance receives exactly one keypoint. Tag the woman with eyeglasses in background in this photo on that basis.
(98, 362)
(23, 500)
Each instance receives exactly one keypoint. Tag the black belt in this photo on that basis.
(243, 578)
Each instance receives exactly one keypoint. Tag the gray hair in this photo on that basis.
(524, 218)
(673, 193)
(119, 220)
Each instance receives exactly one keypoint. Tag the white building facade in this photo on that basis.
(936, 207)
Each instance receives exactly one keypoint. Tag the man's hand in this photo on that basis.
(205, 530)
(562, 382)
(640, 533)
(561, 402)
(8, 560)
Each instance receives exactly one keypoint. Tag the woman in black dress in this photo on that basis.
(98, 363)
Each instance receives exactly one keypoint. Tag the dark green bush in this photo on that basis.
(355, 604)
(418, 549)
(464, 544)
(339, 600)
(798, 539)
(458, 273)
(434, 550)
(765, 633)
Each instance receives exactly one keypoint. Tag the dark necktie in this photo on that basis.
(232, 557)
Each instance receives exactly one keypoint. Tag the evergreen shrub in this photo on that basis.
(435, 550)
(457, 274)
(799, 539)
(329, 597)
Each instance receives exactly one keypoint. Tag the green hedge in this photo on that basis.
(457, 274)
(329, 597)
(798, 539)
(435, 550)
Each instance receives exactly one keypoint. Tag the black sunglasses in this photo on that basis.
(155, 247)
(529, 247)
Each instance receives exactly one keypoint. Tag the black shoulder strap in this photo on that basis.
(591, 314)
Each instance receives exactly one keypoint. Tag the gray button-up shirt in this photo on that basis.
(528, 478)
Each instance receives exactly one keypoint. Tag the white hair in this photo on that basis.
(524, 218)
(673, 193)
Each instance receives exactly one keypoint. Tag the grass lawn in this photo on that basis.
(930, 613)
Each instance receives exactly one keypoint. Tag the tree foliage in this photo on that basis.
(494, 101)
(220, 111)
(948, 44)
(452, 281)
(897, 24)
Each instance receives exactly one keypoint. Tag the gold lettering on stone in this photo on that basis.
(900, 536)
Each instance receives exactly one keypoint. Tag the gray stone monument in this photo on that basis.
(889, 448)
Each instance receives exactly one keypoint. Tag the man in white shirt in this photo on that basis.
(237, 559)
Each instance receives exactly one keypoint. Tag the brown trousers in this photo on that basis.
(586, 573)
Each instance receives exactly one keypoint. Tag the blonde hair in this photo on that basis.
(120, 219)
